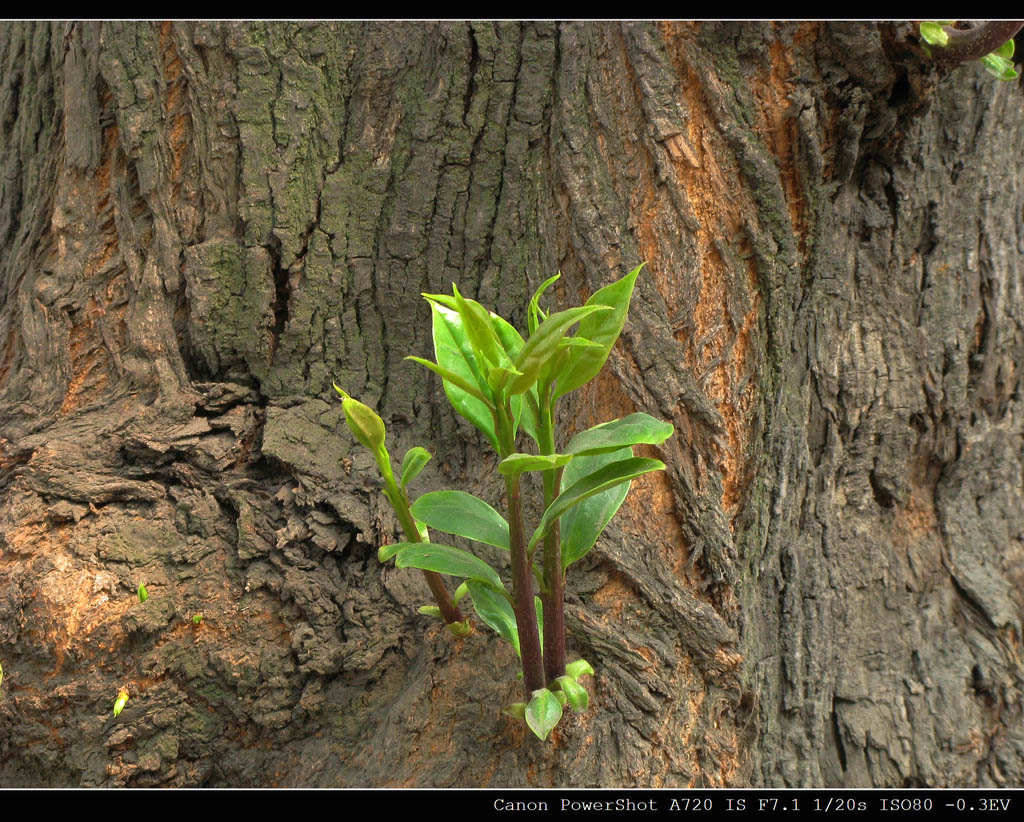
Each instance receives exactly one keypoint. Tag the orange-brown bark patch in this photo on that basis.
(89, 364)
(8, 355)
(87, 350)
(175, 111)
(612, 596)
(716, 354)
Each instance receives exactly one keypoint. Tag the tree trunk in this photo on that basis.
(204, 224)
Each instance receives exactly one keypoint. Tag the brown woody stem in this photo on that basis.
(553, 595)
(522, 590)
(449, 610)
(974, 43)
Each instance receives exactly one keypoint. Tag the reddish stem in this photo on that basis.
(971, 44)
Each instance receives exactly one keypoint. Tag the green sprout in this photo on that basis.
(197, 619)
(505, 384)
(143, 593)
(999, 64)
(119, 703)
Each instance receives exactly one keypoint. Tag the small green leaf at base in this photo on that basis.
(578, 668)
(575, 693)
(932, 33)
(517, 710)
(122, 699)
(460, 628)
(197, 619)
(999, 66)
(143, 593)
(429, 610)
(543, 712)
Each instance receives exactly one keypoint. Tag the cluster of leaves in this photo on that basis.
(505, 384)
(997, 63)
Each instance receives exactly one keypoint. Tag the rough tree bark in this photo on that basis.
(204, 224)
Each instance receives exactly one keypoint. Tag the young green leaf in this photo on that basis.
(451, 340)
(385, 552)
(582, 524)
(143, 593)
(999, 66)
(511, 340)
(460, 592)
(579, 342)
(495, 611)
(544, 342)
(429, 610)
(482, 337)
(515, 464)
(197, 619)
(122, 699)
(453, 380)
(530, 411)
(538, 606)
(601, 479)
(462, 514)
(534, 316)
(466, 399)
(576, 694)
(636, 429)
(578, 668)
(498, 377)
(463, 382)
(562, 357)
(933, 33)
(517, 710)
(543, 712)
(413, 462)
(1005, 50)
(444, 559)
(602, 328)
